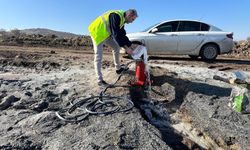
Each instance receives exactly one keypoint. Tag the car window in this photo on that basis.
(168, 27)
(189, 26)
(204, 27)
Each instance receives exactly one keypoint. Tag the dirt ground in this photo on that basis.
(186, 106)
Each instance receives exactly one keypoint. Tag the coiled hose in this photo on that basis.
(96, 105)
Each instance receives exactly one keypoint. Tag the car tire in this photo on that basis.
(209, 52)
(193, 56)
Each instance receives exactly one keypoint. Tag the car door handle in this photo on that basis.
(173, 34)
(200, 34)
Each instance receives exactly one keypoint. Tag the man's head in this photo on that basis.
(130, 15)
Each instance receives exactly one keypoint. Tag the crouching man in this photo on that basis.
(109, 29)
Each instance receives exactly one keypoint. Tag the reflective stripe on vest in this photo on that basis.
(106, 24)
(99, 29)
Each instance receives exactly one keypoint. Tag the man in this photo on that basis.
(109, 29)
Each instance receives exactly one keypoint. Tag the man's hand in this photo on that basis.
(133, 46)
(129, 50)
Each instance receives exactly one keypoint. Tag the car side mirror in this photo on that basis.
(154, 30)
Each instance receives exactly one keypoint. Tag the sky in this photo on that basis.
(74, 16)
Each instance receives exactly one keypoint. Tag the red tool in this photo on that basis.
(140, 74)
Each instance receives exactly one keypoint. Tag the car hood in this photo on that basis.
(136, 35)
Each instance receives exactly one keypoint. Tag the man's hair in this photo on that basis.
(132, 11)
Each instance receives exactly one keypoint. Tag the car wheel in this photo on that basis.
(209, 52)
(193, 56)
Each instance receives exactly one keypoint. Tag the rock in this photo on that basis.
(24, 102)
(168, 91)
(40, 106)
(2, 95)
(44, 122)
(37, 88)
(64, 92)
(5, 82)
(242, 48)
(64, 68)
(224, 79)
(47, 83)
(52, 52)
(8, 101)
(218, 120)
(50, 94)
(28, 93)
(19, 105)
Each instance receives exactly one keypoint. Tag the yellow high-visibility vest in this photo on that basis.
(99, 29)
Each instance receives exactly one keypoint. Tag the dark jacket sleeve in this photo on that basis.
(119, 34)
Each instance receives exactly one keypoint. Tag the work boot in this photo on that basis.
(103, 83)
(122, 69)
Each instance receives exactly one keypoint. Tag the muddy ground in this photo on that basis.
(185, 109)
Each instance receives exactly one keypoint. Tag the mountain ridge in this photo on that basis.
(45, 31)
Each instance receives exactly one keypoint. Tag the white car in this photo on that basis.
(185, 37)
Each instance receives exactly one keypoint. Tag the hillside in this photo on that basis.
(46, 32)
(43, 38)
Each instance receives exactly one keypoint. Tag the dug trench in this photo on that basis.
(161, 107)
(186, 109)
(158, 117)
(194, 106)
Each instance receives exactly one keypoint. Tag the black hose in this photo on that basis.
(90, 105)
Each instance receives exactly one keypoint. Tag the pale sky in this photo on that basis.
(75, 15)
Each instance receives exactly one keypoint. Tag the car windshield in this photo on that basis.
(149, 27)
